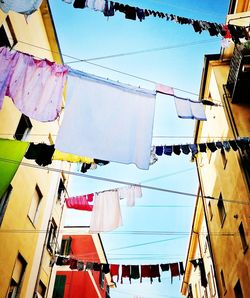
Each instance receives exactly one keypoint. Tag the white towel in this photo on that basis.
(107, 120)
(106, 214)
(188, 109)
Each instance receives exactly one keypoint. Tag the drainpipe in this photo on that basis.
(206, 221)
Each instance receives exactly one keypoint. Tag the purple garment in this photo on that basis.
(36, 87)
(8, 61)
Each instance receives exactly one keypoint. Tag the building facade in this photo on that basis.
(74, 283)
(31, 208)
(224, 176)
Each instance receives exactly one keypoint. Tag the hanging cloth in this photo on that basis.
(134, 272)
(164, 267)
(188, 109)
(26, 7)
(125, 272)
(174, 269)
(41, 153)
(130, 193)
(145, 271)
(11, 155)
(58, 155)
(114, 270)
(36, 87)
(79, 203)
(160, 88)
(89, 122)
(106, 215)
(155, 272)
(8, 60)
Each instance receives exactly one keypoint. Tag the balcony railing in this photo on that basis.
(238, 82)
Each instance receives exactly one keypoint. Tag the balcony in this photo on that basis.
(238, 82)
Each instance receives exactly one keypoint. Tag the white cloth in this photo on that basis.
(26, 7)
(106, 214)
(97, 5)
(107, 120)
(198, 110)
(188, 109)
(130, 193)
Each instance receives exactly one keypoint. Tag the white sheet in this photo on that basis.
(106, 214)
(107, 120)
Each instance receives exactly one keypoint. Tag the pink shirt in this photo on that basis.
(36, 87)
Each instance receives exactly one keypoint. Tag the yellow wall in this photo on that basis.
(17, 232)
(222, 176)
(229, 181)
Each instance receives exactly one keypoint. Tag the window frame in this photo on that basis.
(221, 210)
(4, 200)
(23, 128)
(243, 239)
(16, 286)
(223, 283)
(52, 235)
(33, 217)
(66, 246)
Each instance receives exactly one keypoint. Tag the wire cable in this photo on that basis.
(104, 67)
(142, 51)
(119, 181)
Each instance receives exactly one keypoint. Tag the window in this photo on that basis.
(7, 35)
(243, 238)
(238, 291)
(190, 291)
(60, 191)
(101, 279)
(221, 209)
(35, 204)
(224, 158)
(51, 243)
(210, 210)
(17, 277)
(4, 202)
(66, 246)
(59, 286)
(23, 128)
(41, 290)
(223, 282)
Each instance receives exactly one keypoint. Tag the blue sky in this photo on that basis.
(88, 34)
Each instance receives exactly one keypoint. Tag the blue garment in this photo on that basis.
(159, 150)
(193, 148)
(26, 7)
(226, 146)
(168, 150)
(185, 149)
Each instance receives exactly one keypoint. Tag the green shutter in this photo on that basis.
(59, 286)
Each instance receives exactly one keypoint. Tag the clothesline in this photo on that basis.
(104, 67)
(110, 7)
(124, 271)
(53, 169)
(234, 144)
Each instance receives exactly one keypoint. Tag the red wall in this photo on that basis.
(79, 283)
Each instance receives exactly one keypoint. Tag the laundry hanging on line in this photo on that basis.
(122, 271)
(89, 124)
(130, 193)
(226, 145)
(80, 202)
(133, 13)
(44, 154)
(35, 86)
(25, 7)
